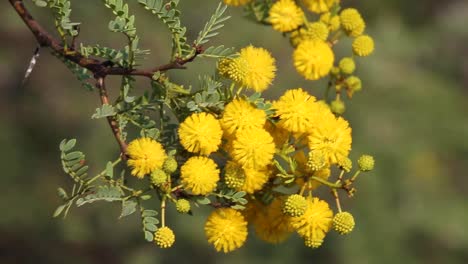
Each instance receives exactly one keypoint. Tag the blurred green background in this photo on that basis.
(412, 115)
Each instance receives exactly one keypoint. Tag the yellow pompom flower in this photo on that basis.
(363, 45)
(319, 6)
(226, 229)
(316, 221)
(313, 59)
(285, 16)
(316, 30)
(315, 241)
(253, 148)
(200, 133)
(343, 223)
(199, 175)
(254, 179)
(236, 2)
(333, 22)
(234, 176)
(145, 156)
(347, 65)
(280, 135)
(239, 115)
(352, 22)
(269, 222)
(296, 110)
(164, 237)
(254, 68)
(332, 136)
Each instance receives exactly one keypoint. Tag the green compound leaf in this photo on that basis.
(102, 193)
(170, 16)
(150, 227)
(67, 145)
(59, 210)
(62, 12)
(62, 193)
(211, 27)
(128, 208)
(148, 212)
(81, 74)
(40, 3)
(219, 52)
(203, 200)
(110, 169)
(104, 111)
(73, 162)
(149, 236)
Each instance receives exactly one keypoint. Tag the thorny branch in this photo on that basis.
(99, 68)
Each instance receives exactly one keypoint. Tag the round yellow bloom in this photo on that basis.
(347, 65)
(253, 148)
(226, 229)
(254, 68)
(313, 59)
(316, 30)
(332, 136)
(315, 241)
(200, 175)
(319, 6)
(343, 223)
(333, 22)
(269, 222)
(316, 220)
(363, 45)
(254, 179)
(239, 115)
(295, 205)
(236, 2)
(352, 22)
(296, 110)
(280, 135)
(200, 133)
(164, 237)
(145, 156)
(285, 16)
(234, 176)
(261, 68)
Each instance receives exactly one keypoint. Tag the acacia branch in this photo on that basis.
(99, 68)
(101, 86)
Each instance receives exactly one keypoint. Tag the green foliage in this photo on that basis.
(258, 10)
(81, 74)
(219, 52)
(124, 22)
(170, 16)
(149, 223)
(73, 162)
(128, 208)
(260, 103)
(235, 199)
(62, 11)
(211, 27)
(104, 111)
(101, 193)
(209, 96)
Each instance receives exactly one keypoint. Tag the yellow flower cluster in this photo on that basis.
(254, 148)
(254, 68)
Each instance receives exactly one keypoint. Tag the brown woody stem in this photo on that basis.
(98, 67)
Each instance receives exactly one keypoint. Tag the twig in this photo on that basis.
(101, 86)
(98, 67)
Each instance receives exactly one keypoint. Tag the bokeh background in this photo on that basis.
(412, 115)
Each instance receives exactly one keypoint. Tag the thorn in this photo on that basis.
(32, 63)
